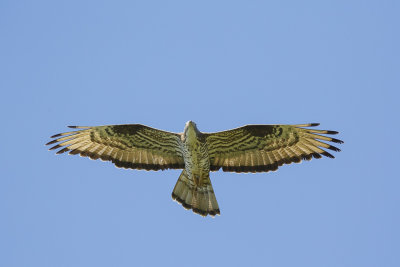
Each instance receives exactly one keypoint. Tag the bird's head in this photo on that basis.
(190, 129)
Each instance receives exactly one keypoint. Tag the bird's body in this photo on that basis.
(251, 148)
(193, 188)
(195, 154)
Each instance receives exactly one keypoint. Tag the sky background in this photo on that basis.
(222, 64)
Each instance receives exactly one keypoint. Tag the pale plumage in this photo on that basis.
(251, 148)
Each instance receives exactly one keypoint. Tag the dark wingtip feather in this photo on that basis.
(316, 155)
(331, 132)
(337, 141)
(51, 142)
(314, 124)
(56, 135)
(334, 148)
(74, 152)
(78, 127)
(326, 154)
(54, 147)
(65, 149)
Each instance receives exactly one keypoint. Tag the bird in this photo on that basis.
(250, 148)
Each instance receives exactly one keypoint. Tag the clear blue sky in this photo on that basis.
(222, 64)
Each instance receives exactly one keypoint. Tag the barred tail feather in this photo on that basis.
(201, 199)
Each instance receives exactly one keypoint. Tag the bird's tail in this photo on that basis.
(200, 198)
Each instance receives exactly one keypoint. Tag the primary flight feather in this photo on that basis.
(251, 148)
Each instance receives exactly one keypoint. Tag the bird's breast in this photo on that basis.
(197, 161)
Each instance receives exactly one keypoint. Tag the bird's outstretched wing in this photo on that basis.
(128, 146)
(262, 148)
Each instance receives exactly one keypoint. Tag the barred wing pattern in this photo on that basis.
(262, 148)
(132, 146)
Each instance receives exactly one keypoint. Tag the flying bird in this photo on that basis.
(251, 148)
